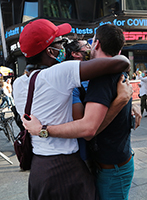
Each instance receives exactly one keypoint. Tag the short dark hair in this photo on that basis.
(34, 60)
(111, 39)
(70, 47)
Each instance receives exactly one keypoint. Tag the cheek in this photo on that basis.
(91, 54)
(56, 53)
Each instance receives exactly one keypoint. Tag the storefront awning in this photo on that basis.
(136, 47)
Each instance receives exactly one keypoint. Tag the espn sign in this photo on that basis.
(135, 35)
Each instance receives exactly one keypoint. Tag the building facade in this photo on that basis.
(84, 16)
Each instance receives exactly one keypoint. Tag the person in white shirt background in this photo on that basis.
(7, 100)
(143, 90)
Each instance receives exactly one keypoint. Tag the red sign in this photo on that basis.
(136, 89)
(135, 35)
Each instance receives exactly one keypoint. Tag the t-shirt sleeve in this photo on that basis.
(102, 90)
(20, 88)
(64, 76)
(77, 92)
(76, 96)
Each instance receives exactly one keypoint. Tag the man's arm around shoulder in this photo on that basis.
(101, 66)
(85, 127)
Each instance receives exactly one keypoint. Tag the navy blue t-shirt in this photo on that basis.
(112, 145)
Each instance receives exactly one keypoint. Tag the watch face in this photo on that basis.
(43, 133)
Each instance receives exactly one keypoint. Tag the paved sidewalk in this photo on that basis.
(14, 183)
(139, 144)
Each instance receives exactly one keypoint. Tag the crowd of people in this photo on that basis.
(82, 100)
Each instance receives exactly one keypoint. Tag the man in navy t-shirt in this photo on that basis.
(111, 149)
(78, 50)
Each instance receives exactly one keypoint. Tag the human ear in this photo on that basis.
(76, 55)
(50, 52)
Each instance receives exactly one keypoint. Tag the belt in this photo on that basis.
(104, 166)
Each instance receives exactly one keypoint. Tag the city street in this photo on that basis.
(13, 181)
(31, 34)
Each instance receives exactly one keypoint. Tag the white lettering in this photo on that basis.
(13, 47)
(18, 45)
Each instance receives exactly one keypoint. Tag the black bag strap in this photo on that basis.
(30, 93)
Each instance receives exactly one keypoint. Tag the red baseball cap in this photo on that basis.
(39, 34)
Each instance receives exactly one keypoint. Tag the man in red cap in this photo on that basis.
(57, 171)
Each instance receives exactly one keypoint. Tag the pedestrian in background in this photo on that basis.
(7, 99)
(143, 91)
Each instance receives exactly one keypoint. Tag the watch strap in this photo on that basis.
(44, 126)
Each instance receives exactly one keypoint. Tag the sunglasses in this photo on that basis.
(86, 44)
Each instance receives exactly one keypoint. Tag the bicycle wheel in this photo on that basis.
(10, 131)
(2, 124)
(5, 132)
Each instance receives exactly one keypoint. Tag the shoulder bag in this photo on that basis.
(22, 145)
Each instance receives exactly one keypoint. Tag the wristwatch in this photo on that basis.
(44, 133)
